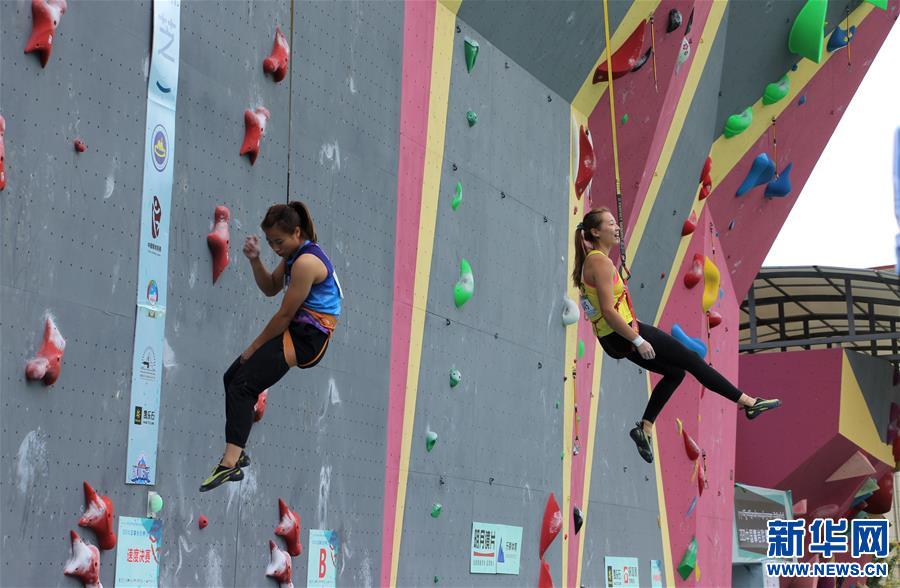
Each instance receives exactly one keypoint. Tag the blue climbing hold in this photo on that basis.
(692, 343)
(794, 67)
(839, 38)
(802, 100)
(761, 172)
(780, 187)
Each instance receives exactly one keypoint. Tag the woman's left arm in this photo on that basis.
(302, 276)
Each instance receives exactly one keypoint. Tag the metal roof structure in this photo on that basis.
(815, 307)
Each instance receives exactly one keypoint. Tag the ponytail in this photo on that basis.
(290, 216)
(592, 220)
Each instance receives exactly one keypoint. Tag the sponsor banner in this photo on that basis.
(656, 574)
(495, 549)
(621, 571)
(153, 262)
(137, 551)
(321, 569)
(753, 508)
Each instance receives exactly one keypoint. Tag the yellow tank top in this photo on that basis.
(590, 303)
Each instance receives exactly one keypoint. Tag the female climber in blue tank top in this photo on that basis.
(607, 305)
(297, 335)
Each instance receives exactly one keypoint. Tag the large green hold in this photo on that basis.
(430, 439)
(465, 287)
(472, 117)
(777, 90)
(689, 560)
(471, 53)
(738, 123)
(807, 36)
(882, 4)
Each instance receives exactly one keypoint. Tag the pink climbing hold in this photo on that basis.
(695, 274)
(277, 61)
(2, 153)
(690, 446)
(279, 566)
(690, 225)
(586, 162)
(289, 528)
(545, 580)
(715, 319)
(84, 563)
(218, 241)
(259, 409)
(80, 147)
(47, 364)
(98, 516)
(45, 15)
(551, 524)
(254, 128)
(202, 521)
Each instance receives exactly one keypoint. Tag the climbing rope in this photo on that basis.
(653, 53)
(849, 37)
(623, 267)
(775, 147)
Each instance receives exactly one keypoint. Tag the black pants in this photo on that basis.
(245, 381)
(671, 361)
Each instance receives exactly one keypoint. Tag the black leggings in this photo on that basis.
(671, 361)
(245, 381)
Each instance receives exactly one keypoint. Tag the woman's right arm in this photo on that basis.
(270, 284)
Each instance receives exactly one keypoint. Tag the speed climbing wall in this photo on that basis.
(370, 128)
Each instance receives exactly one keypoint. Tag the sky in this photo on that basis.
(844, 216)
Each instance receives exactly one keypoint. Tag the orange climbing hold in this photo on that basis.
(84, 562)
(551, 524)
(695, 274)
(218, 241)
(626, 58)
(277, 61)
(586, 162)
(45, 16)
(289, 528)
(47, 364)
(279, 566)
(259, 409)
(98, 516)
(254, 128)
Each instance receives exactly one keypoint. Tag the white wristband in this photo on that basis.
(637, 341)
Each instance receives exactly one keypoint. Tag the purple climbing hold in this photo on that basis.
(781, 186)
(761, 172)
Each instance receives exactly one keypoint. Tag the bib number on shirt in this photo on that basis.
(588, 308)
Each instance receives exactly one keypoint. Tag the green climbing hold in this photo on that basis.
(557, 405)
(436, 510)
(154, 503)
(580, 348)
(471, 53)
(688, 560)
(465, 287)
(738, 123)
(624, 118)
(777, 90)
(455, 378)
(882, 4)
(430, 440)
(435, 579)
(472, 118)
(457, 199)
(807, 37)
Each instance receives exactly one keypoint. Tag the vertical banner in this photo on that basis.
(321, 569)
(656, 574)
(137, 552)
(153, 262)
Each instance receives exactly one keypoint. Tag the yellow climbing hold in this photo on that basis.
(710, 283)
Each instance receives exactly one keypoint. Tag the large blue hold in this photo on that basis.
(762, 170)
(692, 343)
(839, 38)
(780, 187)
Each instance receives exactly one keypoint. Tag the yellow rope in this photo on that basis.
(653, 53)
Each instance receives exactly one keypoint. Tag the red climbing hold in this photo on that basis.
(48, 362)
(259, 409)
(2, 153)
(279, 566)
(690, 225)
(254, 129)
(705, 177)
(715, 319)
(695, 274)
(586, 162)
(218, 241)
(625, 58)
(277, 61)
(79, 146)
(690, 446)
(289, 528)
(84, 562)
(202, 521)
(880, 501)
(98, 516)
(705, 191)
(551, 525)
(45, 15)
(545, 580)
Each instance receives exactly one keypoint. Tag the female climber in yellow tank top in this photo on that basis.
(606, 303)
